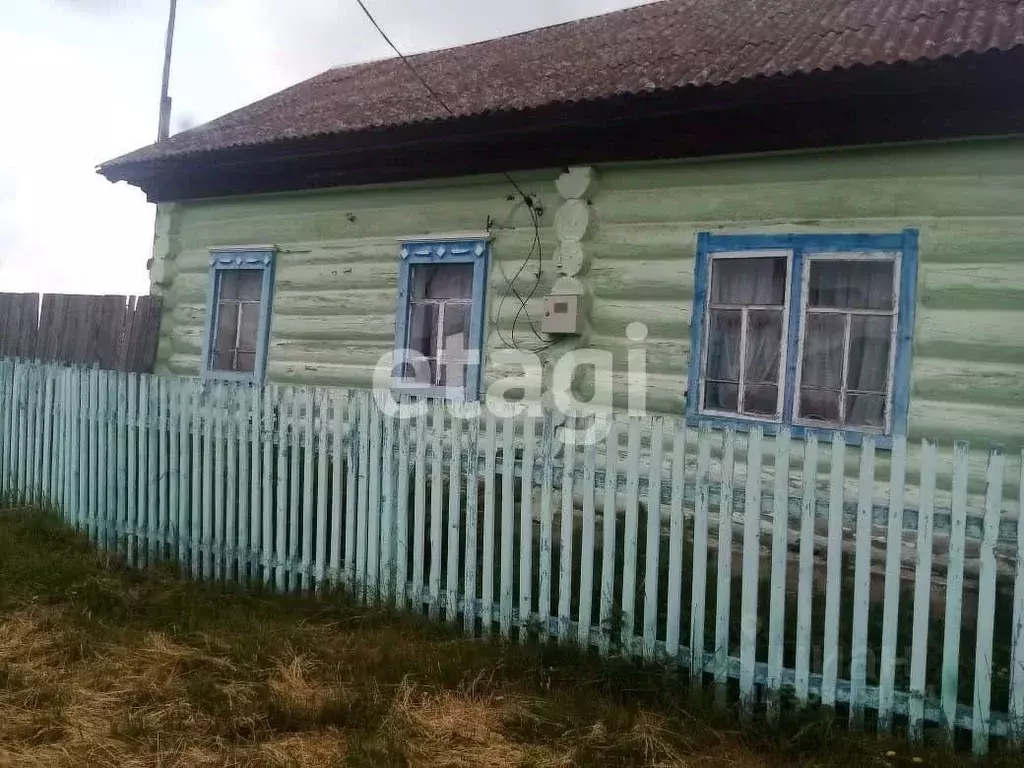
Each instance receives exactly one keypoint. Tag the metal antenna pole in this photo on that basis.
(164, 128)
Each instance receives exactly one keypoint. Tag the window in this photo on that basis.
(238, 314)
(440, 317)
(809, 331)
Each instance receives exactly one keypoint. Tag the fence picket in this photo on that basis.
(173, 416)
(229, 439)
(451, 579)
(472, 499)
(46, 452)
(419, 511)
(438, 425)
(402, 516)
(751, 562)
(487, 577)
(153, 468)
(701, 526)
(891, 599)
(219, 542)
(92, 479)
(546, 530)
(629, 538)
(833, 572)
(862, 583)
(209, 408)
(983, 661)
(185, 509)
(723, 592)
(608, 518)
(954, 590)
(676, 535)
(1016, 703)
(505, 589)
(31, 389)
(780, 552)
(142, 520)
(162, 467)
(322, 429)
(922, 592)
(373, 513)
(567, 521)
(268, 426)
(198, 544)
(294, 548)
(653, 543)
(586, 589)
(281, 403)
(362, 493)
(338, 400)
(306, 536)
(387, 511)
(256, 541)
(526, 526)
(243, 546)
(351, 496)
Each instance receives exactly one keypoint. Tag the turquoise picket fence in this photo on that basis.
(887, 584)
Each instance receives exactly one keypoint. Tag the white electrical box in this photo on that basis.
(561, 314)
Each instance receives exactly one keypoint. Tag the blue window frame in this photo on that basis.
(810, 332)
(239, 299)
(440, 316)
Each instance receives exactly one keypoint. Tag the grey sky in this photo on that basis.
(80, 82)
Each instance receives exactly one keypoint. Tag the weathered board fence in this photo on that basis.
(112, 332)
(500, 526)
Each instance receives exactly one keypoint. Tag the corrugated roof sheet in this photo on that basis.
(658, 46)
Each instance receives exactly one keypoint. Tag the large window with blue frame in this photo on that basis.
(811, 332)
(238, 308)
(440, 317)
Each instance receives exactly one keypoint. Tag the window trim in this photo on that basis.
(475, 250)
(223, 259)
(804, 248)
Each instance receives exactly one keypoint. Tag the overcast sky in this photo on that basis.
(80, 84)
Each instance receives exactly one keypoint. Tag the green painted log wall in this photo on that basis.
(336, 279)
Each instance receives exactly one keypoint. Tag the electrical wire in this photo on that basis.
(527, 200)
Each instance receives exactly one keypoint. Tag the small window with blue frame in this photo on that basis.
(238, 314)
(440, 317)
(811, 332)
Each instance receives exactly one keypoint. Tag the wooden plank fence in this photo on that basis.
(658, 542)
(112, 332)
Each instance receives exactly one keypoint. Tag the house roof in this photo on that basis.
(657, 47)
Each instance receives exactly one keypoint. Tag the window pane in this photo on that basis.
(865, 410)
(453, 374)
(227, 325)
(868, 369)
(850, 284)
(764, 347)
(761, 399)
(822, 365)
(442, 281)
(249, 282)
(423, 329)
(748, 281)
(228, 281)
(250, 325)
(723, 355)
(819, 404)
(456, 329)
(245, 361)
(222, 361)
(721, 397)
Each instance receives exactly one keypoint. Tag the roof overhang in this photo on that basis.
(970, 95)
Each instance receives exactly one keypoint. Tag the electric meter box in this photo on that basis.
(561, 314)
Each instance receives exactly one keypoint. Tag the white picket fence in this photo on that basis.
(661, 542)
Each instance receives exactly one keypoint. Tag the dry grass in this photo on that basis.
(101, 665)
